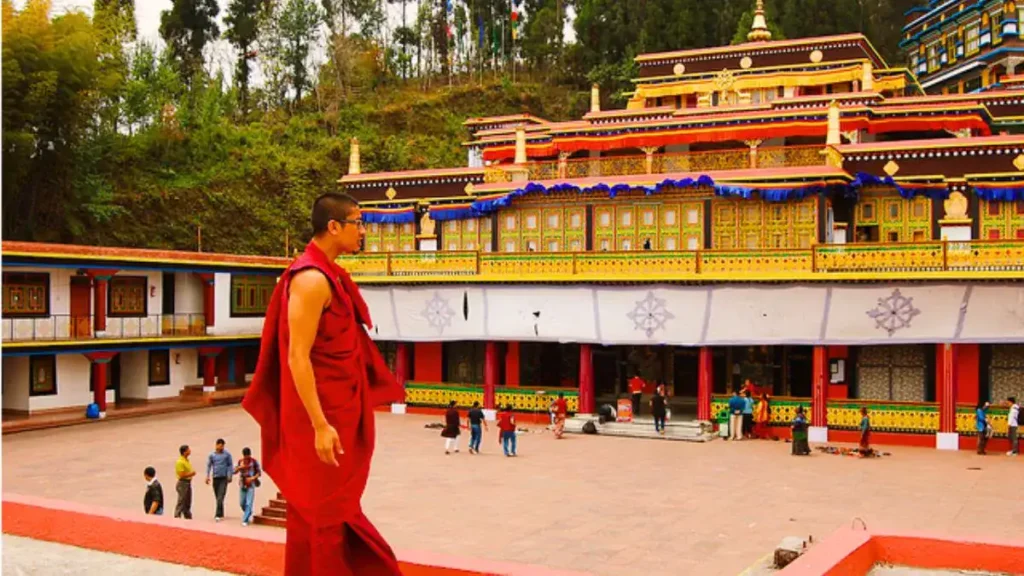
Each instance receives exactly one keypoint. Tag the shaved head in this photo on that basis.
(331, 206)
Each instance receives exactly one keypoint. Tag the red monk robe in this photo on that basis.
(328, 534)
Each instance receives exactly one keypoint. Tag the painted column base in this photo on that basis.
(103, 415)
(947, 441)
(398, 408)
(817, 434)
(490, 415)
(211, 331)
(209, 389)
(100, 334)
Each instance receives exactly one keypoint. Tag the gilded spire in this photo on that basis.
(759, 30)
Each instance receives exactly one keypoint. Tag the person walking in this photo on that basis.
(451, 431)
(736, 405)
(507, 426)
(981, 424)
(561, 413)
(153, 501)
(475, 419)
(1012, 421)
(249, 473)
(183, 470)
(219, 468)
(636, 391)
(658, 410)
(865, 433)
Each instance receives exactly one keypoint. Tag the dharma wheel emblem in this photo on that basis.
(894, 313)
(650, 314)
(438, 313)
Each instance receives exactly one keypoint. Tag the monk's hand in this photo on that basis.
(328, 445)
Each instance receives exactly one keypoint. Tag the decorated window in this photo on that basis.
(1002, 220)
(127, 296)
(971, 39)
(250, 294)
(26, 294)
(754, 224)
(159, 367)
(933, 57)
(42, 375)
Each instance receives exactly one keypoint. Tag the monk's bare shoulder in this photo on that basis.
(311, 286)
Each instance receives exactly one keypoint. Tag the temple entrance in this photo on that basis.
(784, 370)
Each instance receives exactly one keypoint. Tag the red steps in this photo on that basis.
(276, 514)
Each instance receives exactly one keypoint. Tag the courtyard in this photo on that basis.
(597, 504)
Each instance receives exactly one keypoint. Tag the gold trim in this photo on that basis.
(199, 263)
(148, 340)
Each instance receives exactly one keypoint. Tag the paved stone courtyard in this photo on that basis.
(598, 504)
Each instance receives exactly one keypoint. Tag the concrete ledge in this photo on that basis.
(817, 434)
(220, 547)
(852, 551)
(947, 441)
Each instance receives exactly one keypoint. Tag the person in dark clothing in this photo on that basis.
(658, 410)
(451, 431)
(219, 466)
(800, 445)
(983, 426)
(153, 502)
(475, 419)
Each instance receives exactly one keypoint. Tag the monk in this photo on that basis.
(561, 413)
(318, 378)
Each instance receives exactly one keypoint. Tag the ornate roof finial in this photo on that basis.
(759, 30)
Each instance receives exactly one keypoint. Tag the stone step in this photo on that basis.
(280, 504)
(692, 431)
(274, 513)
(275, 522)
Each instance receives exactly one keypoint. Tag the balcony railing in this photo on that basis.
(823, 259)
(67, 327)
(735, 159)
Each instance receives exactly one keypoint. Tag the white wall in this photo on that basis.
(135, 374)
(224, 323)
(148, 326)
(183, 373)
(57, 326)
(72, 385)
(188, 293)
(15, 383)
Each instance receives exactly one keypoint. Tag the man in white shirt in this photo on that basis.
(1012, 419)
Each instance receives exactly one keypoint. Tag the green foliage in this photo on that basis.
(187, 28)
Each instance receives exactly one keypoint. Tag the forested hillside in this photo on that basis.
(111, 140)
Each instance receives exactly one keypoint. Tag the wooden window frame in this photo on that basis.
(32, 360)
(43, 280)
(119, 280)
(166, 354)
(263, 286)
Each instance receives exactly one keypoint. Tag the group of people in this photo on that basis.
(220, 470)
(983, 425)
(748, 420)
(476, 422)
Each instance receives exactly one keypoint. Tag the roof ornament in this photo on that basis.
(759, 30)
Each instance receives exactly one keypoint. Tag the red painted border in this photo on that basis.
(215, 547)
(852, 552)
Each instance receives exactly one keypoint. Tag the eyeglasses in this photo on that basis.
(358, 223)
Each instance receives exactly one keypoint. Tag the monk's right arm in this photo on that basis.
(308, 294)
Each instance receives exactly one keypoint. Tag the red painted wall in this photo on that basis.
(512, 364)
(222, 367)
(968, 359)
(840, 391)
(427, 363)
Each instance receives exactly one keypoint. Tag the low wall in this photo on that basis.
(232, 549)
(522, 398)
(852, 552)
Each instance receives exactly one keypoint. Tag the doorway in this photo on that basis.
(685, 372)
(79, 321)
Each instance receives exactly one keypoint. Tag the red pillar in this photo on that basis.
(99, 361)
(402, 366)
(208, 357)
(490, 374)
(209, 298)
(949, 378)
(704, 384)
(586, 398)
(819, 390)
(512, 365)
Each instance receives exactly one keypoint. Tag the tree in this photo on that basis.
(299, 24)
(114, 22)
(542, 34)
(187, 28)
(243, 21)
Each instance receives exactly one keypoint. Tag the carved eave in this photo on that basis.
(952, 158)
(410, 186)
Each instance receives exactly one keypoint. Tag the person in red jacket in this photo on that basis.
(561, 412)
(507, 430)
(318, 378)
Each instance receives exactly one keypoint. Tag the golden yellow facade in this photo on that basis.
(649, 225)
(890, 218)
(543, 228)
(390, 237)
(753, 224)
(1002, 220)
(471, 234)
